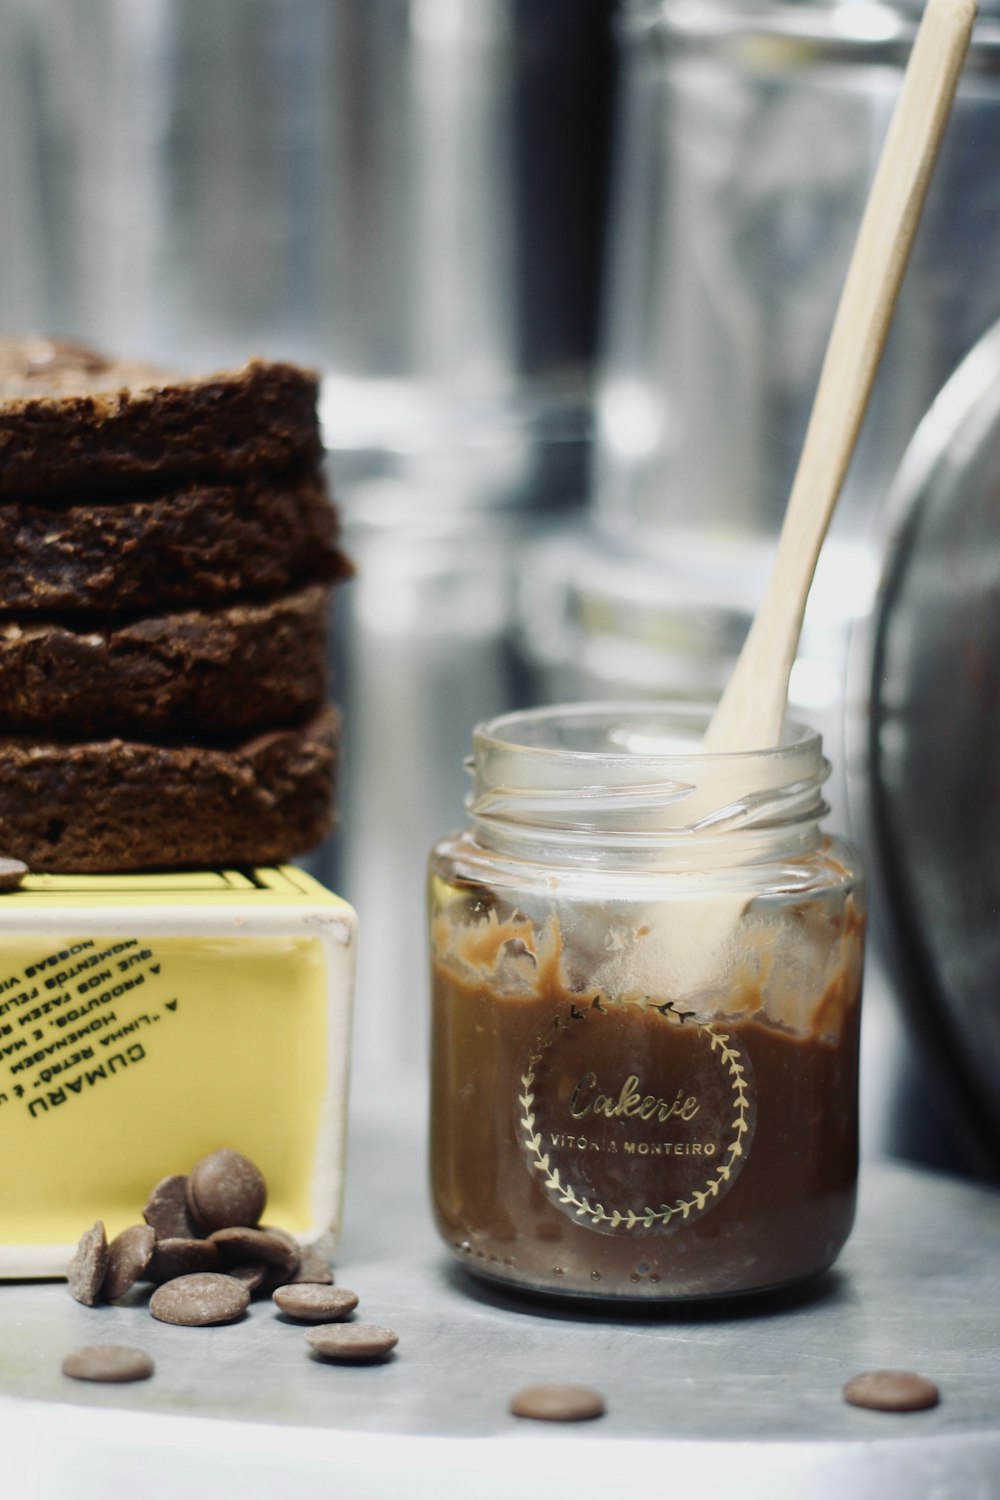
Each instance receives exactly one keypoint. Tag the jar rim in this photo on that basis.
(637, 768)
(687, 718)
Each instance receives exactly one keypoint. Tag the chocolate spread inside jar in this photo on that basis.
(645, 1037)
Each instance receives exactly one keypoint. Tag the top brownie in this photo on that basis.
(70, 418)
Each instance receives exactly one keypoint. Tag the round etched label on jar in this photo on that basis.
(635, 1115)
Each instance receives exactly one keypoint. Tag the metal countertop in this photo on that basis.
(737, 1399)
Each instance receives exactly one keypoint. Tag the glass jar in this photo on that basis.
(646, 978)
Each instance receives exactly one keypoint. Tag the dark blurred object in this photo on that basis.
(564, 73)
(932, 661)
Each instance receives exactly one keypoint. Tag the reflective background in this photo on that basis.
(567, 267)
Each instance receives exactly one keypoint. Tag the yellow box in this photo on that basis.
(146, 1020)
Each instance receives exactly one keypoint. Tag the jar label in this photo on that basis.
(635, 1115)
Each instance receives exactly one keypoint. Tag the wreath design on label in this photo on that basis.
(729, 1059)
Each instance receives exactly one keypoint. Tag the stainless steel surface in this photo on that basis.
(408, 193)
(733, 1400)
(930, 668)
(748, 135)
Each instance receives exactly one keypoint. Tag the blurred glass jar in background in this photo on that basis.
(749, 135)
(747, 138)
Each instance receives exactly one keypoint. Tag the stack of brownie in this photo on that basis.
(167, 548)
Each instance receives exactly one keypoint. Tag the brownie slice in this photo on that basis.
(196, 545)
(70, 418)
(121, 805)
(201, 674)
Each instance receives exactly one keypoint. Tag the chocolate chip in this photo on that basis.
(892, 1390)
(199, 1301)
(129, 1255)
(225, 1189)
(108, 1362)
(12, 872)
(282, 1275)
(352, 1342)
(86, 1271)
(167, 1210)
(557, 1403)
(173, 1258)
(250, 1276)
(314, 1267)
(315, 1303)
(271, 1246)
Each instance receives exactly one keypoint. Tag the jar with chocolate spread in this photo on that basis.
(646, 978)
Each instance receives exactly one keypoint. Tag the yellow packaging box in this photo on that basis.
(146, 1020)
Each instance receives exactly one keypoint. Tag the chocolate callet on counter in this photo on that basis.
(892, 1390)
(86, 1271)
(241, 1245)
(200, 1301)
(226, 1190)
(167, 1211)
(314, 1267)
(351, 1343)
(557, 1403)
(108, 1362)
(129, 1255)
(177, 1257)
(251, 1276)
(312, 1303)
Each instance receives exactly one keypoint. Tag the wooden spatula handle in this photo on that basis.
(752, 708)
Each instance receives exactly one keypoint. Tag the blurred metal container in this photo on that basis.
(928, 766)
(410, 195)
(749, 133)
(407, 193)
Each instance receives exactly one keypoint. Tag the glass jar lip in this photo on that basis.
(636, 770)
(692, 717)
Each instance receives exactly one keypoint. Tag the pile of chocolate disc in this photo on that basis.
(204, 1248)
(204, 1224)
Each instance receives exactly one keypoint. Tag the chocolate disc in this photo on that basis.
(225, 1189)
(86, 1271)
(557, 1403)
(352, 1342)
(314, 1267)
(249, 1276)
(892, 1390)
(172, 1258)
(129, 1254)
(200, 1301)
(167, 1210)
(111, 1362)
(316, 1303)
(271, 1246)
